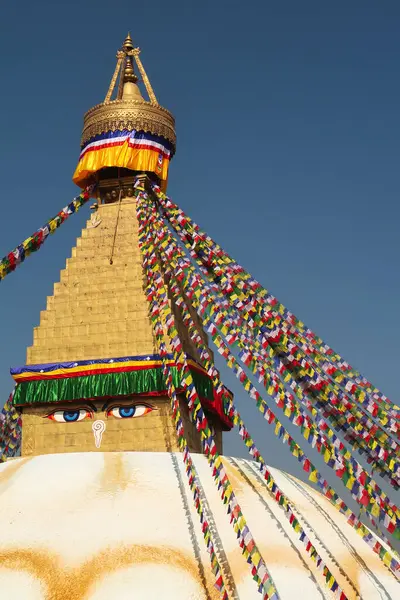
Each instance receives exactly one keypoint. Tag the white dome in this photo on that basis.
(119, 526)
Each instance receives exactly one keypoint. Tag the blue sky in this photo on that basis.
(288, 142)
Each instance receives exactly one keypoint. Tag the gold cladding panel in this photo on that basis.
(98, 309)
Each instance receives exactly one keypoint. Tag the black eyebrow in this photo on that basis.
(68, 407)
(133, 402)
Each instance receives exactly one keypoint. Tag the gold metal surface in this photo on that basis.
(129, 114)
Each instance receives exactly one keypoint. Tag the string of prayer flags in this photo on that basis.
(33, 243)
(364, 433)
(277, 494)
(269, 302)
(10, 430)
(362, 488)
(189, 466)
(259, 570)
(334, 451)
(342, 505)
(254, 289)
(384, 413)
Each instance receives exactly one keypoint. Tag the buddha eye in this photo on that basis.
(128, 412)
(70, 416)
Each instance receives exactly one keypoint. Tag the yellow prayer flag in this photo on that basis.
(375, 510)
(241, 521)
(387, 559)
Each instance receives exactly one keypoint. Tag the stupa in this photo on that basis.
(119, 410)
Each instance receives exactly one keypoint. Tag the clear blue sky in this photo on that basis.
(288, 146)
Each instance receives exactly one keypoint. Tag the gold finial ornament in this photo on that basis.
(129, 74)
(128, 44)
(130, 115)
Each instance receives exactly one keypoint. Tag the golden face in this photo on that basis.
(131, 424)
(100, 416)
(128, 424)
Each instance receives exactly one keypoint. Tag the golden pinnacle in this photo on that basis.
(128, 44)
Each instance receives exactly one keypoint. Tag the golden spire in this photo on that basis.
(129, 74)
(128, 44)
(128, 110)
(129, 90)
(125, 70)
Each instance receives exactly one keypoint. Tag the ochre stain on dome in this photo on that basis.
(236, 479)
(11, 469)
(76, 583)
(115, 477)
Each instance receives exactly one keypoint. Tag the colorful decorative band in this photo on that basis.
(83, 368)
(134, 150)
(140, 140)
(109, 378)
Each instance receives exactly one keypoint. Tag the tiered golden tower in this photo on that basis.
(98, 314)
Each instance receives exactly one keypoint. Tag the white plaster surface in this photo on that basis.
(105, 526)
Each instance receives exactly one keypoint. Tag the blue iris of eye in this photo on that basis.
(71, 415)
(126, 411)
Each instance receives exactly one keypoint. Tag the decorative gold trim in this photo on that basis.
(129, 114)
(120, 58)
(135, 53)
